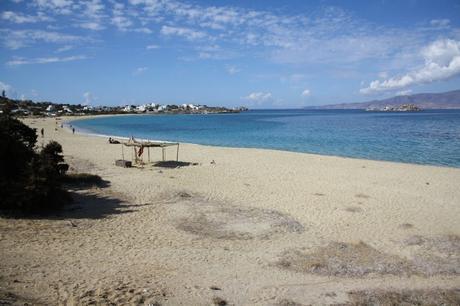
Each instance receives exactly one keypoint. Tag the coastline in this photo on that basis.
(235, 219)
(95, 134)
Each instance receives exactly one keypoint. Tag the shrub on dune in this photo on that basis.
(30, 181)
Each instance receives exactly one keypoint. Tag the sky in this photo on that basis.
(259, 54)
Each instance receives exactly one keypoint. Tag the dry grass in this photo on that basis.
(9, 298)
(208, 218)
(345, 260)
(236, 223)
(288, 302)
(436, 255)
(120, 295)
(431, 256)
(405, 297)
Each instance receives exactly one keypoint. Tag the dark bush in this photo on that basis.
(30, 182)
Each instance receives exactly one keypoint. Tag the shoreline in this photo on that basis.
(248, 226)
(94, 134)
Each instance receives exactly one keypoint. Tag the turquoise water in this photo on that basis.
(428, 137)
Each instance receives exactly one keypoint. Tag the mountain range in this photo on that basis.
(445, 100)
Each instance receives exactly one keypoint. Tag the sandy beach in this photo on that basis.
(236, 226)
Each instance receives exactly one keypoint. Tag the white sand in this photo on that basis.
(244, 212)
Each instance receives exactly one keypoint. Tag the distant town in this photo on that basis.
(31, 108)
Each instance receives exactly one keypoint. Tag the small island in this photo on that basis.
(397, 108)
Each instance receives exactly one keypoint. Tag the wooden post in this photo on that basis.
(163, 152)
(122, 152)
(148, 152)
(177, 153)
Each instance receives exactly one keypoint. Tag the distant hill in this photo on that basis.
(445, 100)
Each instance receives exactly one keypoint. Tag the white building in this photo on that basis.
(141, 108)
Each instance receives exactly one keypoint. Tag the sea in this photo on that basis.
(429, 137)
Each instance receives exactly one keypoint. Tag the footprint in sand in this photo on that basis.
(319, 194)
(362, 196)
(353, 209)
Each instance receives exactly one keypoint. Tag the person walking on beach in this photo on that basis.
(42, 131)
(73, 130)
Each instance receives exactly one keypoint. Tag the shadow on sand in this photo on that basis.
(86, 198)
(93, 205)
(173, 164)
(80, 181)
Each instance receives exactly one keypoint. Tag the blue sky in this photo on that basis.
(261, 54)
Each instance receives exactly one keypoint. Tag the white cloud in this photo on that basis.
(142, 30)
(140, 70)
(64, 48)
(440, 23)
(151, 47)
(306, 93)
(404, 92)
(16, 39)
(94, 9)
(56, 6)
(121, 22)
(442, 61)
(88, 98)
(383, 75)
(232, 69)
(44, 60)
(21, 18)
(186, 33)
(91, 25)
(151, 6)
(329, 34)
(259, 97)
